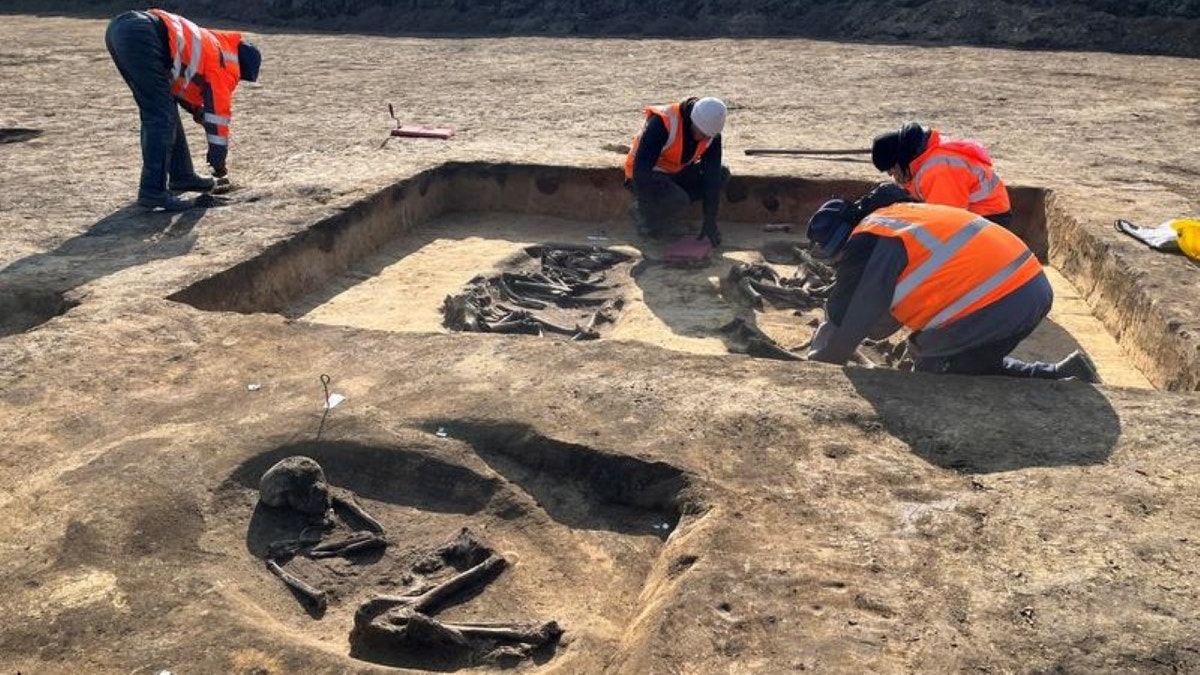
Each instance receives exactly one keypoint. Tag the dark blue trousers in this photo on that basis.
(990, 359)
(141, 54)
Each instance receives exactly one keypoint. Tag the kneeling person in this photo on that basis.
(674, 161)
(968, 289)
(940, 170)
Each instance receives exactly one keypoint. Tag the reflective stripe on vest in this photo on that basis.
(975, 294)
(936, 237)
(671, 159)
(672, 120)
(177, 24)
(940, 252)
(987, 182)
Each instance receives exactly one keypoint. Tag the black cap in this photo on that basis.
(829, 228)
(885, 150)
(899, 147)
(249, 59)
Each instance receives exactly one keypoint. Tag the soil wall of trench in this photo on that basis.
(1161, 27)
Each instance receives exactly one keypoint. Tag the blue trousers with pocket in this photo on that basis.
(139, 49)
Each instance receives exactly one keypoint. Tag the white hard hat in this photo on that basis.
(708, 115)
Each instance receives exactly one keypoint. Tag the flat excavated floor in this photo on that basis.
(402, 287)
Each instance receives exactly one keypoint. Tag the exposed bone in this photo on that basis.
(355, 543)
(815, 266)
(429, 600)
(514, 297)
(405, 620)
(862, 359)
(760, 283)
(352, 506)
(424, 629)
(783, 296)
(289, 547)
(769, 349)
(744, 338)
(314, 595)
(750, 293)
(567, 274)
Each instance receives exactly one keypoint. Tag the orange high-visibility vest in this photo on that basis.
(958, 262)
(671, 159)
(204, 72)
(957, 173)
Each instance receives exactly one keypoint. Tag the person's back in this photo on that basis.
(958, 262)
(940, 170)
(967, 289)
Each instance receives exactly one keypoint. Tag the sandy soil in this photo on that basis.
(819, 518)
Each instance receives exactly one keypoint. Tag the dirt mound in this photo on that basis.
(1161, 27)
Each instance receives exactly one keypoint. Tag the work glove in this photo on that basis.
(709, 231)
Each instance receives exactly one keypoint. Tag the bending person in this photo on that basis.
(940, 170)
(167, 60)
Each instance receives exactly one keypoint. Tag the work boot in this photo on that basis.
(192, 183)
(1077, 366)
(170, 203)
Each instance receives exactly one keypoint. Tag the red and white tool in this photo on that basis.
(415, 130)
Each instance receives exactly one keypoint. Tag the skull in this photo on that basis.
(297, 483)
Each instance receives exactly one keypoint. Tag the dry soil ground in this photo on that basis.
(817, 518)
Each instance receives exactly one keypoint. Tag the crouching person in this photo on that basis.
(968, 289)
(675, 161)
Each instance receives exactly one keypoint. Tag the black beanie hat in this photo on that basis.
(885, 150)
(249, 60)
(899, 147)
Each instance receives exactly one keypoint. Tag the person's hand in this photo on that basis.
(709, 231)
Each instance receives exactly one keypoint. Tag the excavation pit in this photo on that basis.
(580, 529)
(23, 309)
(392, 262)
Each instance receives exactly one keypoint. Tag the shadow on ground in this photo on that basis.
(34, 289)
(578, 486)
(967, 423)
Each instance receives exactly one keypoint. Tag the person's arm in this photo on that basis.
(650, 147)
(710, 164)
(941, 185)
(215, 116)
(861, 297)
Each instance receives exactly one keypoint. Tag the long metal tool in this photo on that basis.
(802, 152)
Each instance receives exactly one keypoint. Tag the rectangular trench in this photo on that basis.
(427, 235)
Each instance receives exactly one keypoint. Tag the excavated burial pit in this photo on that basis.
(389, 261)
(580, 527)
(23, 309)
